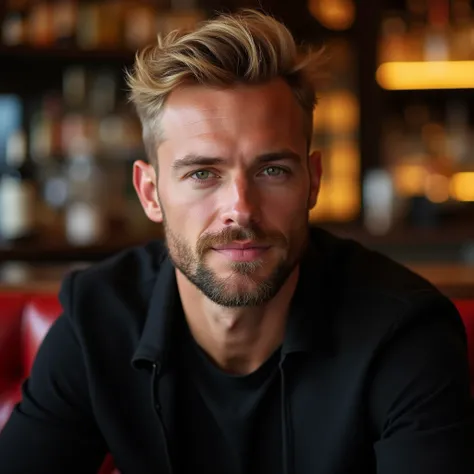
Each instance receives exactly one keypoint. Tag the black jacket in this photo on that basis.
(374, 378)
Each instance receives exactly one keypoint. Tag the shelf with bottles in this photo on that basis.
(76, 201)
(423, 175)
(429, 45)
(89, 106)
(89, 28)
(426, 174)
(80, 142)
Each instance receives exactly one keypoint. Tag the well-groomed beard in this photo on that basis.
(227, 291)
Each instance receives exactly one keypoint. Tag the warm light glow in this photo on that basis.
(462, 186)
(437, 188)
(343, 111)
(338, 201)
(344, 160)
(426, 75)
(410, 179)
(337, 111)
(345, 200)
(333, 14)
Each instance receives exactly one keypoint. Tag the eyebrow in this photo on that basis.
(199, 160)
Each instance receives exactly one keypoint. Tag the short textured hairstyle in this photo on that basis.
(248, 47)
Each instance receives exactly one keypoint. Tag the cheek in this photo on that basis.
(185, 215)
(288, 216)
(287, 206)
(183, 199)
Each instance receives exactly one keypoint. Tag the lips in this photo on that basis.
(242, 251)
(241, 246)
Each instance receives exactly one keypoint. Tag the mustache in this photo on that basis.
(232, 234)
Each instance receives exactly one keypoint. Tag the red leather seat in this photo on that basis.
(466, 309)
(11, 310)
(38, 315)
(24, 321)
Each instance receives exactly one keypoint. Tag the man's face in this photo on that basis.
(235, 187)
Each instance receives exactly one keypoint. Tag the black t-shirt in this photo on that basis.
(227, 424)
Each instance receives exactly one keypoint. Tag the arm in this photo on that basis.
(52, 429)
(419, 401)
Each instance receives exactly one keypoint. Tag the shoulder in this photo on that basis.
(359, 268)
(372, 294)
(124, 280)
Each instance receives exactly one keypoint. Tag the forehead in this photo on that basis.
(265, 114)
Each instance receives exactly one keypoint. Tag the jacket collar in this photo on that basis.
(163, 307)
(307, 327)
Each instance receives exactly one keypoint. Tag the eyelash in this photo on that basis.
(283, 171)
(192, 175)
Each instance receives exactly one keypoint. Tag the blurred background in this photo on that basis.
(395, 124)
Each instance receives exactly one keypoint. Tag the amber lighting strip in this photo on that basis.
(462, 186)
(426, 75)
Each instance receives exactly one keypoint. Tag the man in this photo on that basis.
(247, 344)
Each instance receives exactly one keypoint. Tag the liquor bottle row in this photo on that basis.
(109, 24)
(90, 108)
(442, 136)
(79, 199)
(427, 168)
(435, 30)
(56, 151)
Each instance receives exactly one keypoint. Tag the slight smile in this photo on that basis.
(242, 252)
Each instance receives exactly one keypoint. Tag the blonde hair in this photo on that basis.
(248, 47)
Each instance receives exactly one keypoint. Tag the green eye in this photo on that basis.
(202, 175)
(273, 171)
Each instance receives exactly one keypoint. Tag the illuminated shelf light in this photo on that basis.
(462, 186)
(426, 75)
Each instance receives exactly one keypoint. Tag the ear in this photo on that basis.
(315, 173)
(145, 182)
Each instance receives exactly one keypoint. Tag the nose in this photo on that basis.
(242, 203)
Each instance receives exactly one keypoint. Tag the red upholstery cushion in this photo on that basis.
(39, 314)
(108, 466)
(24, 321)
(8, 399)
(466, 309)
(11, 308)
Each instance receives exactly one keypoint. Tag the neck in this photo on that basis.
(238, 340)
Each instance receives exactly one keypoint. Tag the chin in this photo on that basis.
(246, 284)
(247, 273)
(237, 288)
(246, 280)
(241, 294)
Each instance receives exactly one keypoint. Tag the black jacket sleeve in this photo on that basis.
(52, 429)
(419, 400)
